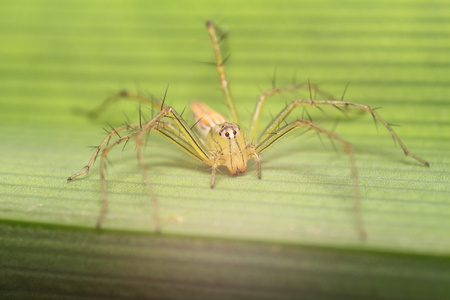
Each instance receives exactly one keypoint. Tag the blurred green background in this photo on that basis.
(291, 233)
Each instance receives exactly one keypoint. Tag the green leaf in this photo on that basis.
(59, 58)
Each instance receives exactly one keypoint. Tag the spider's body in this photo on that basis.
(227, 142)
(224, 140)
(216, 141)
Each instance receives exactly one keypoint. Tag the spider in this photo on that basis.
(216, 141)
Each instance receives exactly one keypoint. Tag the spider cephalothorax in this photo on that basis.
(228, 143)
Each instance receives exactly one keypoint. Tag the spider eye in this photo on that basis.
(234, 132)
(227, 134)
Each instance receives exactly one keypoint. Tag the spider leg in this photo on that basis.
(178, 133)
(103, 144)
(270, 140)
(173, 134)
(185, 134)
(104, 154)
(361, 107)
(254, 125)
(185, 138)
(150, 125)
(254, 154)
(213, 173)
(150, 102)
(233, 114)
(280, 119)
(174, 129)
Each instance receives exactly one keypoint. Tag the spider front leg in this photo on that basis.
(167, 123)
(105, 148)
(276, 135)
(138, 134)
(103, 144)
(361, 107)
